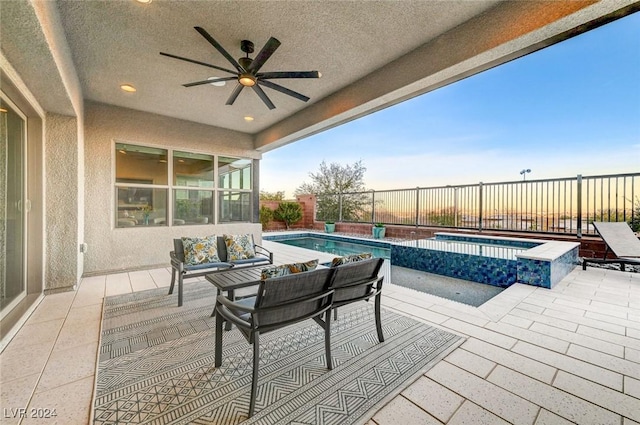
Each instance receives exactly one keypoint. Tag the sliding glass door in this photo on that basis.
(13, 206)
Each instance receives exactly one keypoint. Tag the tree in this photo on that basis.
(271, 196)
(289, 212)
(333, 182)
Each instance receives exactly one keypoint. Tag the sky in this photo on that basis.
(571, 108)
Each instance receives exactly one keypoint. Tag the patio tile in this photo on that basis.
(141, 280)
(530, 307)
(401, 410)
(514, 320)
(632, 355)
(66, 366)
(610, 337)
(632, 387)
(432, 397)
(579, 339)
(616, 364)
(471, 362)
(423, 313)
(54, 306)
(117, 284)
(36, 334)
(512, 360)
(633, 333)
(548, 418)
(477, 319)
(15, 364)
(71, 403)
(480, 333)
(552, 399)
(161, 277)
(586, 320)
(540, 318)
(78, 332)
(602, 396)
(471, 413)
(547, 303)
(627, 421)
(491, 397)
(15, 395)
(86, 313)
(570, 364)
(530, 336)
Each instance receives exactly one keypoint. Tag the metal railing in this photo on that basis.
(562, 205)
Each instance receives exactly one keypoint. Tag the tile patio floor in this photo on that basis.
(532, 356)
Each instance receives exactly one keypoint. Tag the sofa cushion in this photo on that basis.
(239, 247)
(286, 269)
(350, 259)
(200, 250)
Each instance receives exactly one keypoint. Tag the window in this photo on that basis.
(141, 186)
(193, 173)
(144, 190)
(235, 200)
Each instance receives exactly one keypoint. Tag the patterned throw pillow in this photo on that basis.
(200, 250)
(239, 247)
(286, 269)
(338, 261)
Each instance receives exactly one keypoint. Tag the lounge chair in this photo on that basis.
(620, 240)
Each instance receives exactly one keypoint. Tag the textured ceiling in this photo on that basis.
(115, 42)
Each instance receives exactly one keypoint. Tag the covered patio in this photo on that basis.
(530, 355)
(98, 181)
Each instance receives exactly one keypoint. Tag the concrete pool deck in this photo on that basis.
(565, 355)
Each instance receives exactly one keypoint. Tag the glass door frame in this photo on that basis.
(24, 207)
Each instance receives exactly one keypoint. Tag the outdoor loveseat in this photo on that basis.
(195, 257)
(291, 293)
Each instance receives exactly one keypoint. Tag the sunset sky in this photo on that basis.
(572, 108)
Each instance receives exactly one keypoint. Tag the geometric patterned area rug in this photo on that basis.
(156, 364)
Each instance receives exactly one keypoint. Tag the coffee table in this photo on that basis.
(230, 281)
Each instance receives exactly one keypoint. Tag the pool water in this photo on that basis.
(339, 248)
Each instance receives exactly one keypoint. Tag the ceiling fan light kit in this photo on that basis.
(246, 70)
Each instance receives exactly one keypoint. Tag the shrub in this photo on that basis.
(634, 222)
(266, 215)
(289, 212)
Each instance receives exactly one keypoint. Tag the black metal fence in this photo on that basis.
(563, 205)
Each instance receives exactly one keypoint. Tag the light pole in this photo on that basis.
(524, 173)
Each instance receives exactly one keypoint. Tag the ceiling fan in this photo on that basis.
(247, 70)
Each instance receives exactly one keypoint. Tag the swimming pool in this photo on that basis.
(492, 260)
(333, 246)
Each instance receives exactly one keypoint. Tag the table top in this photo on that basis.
(229, 280)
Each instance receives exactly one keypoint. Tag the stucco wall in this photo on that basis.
(62, 193)
(111, 249)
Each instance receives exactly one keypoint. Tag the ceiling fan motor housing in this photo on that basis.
(246, 46)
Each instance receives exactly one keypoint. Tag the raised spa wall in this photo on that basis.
(543, 264)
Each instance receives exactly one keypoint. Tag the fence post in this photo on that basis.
(340, 207)
(579, 206)
(417, 206)
(480, 207)
(373, 206)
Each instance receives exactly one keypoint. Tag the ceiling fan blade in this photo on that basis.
(198, 62)
(264, 97)
(197, 83)
(270, 46)
(234, 94)
(284, 90)
(288, 74)
(219, 48)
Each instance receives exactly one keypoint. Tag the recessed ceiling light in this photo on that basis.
(248, 118)
(122, 151)
(144, 1)
(217, 83)
(128, 88)
(3, 110)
